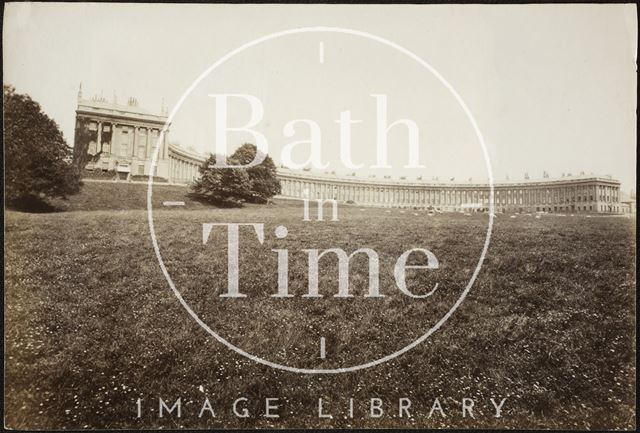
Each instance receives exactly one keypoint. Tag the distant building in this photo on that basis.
(123, 137)
(628, 206)
(572, 194)
(128, 134)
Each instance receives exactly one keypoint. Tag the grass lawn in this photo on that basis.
(91, 324)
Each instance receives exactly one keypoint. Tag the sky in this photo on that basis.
(551, 87)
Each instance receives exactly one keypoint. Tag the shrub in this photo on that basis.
(144, 177)
(37, 158)
(99, 174)
(263, 181)
(226, 187)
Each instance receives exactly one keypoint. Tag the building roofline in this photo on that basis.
(187, 153)
(124, 112)
(283, 172)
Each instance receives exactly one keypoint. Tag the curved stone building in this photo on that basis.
(574, 194)
(123, 137)
(183, 164)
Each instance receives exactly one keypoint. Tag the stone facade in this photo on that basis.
(124, 136)
(574, 194)
(183, 164)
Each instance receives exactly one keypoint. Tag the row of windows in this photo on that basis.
(563, 208)
(124, 149)
(93, 126)
(550, 196)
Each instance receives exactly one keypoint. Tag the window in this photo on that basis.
(105, 148)
(106, 128)
(93, 126)
(141, 152)
(141, 169)
(105, 165)
(92, 148)
(124, 141)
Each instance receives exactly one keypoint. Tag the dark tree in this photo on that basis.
(37, 158)
(264, 183)
(221, 186)
(83, 138)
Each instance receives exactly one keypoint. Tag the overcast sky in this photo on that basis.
(552, 87)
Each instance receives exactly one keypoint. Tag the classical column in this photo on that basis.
(115, 140)
(165, 144)
(134, 141)
(99, 143)
(147, 144)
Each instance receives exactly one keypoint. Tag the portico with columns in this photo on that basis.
(122, 137)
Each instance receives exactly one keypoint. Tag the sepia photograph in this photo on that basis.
(319, 216)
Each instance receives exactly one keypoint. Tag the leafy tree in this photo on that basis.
(264, 183)
(37, 158)
(221, 186)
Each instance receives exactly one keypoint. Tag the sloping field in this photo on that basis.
(92, 326)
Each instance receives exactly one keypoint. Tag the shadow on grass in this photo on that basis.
(227, 203)
(33, 204)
